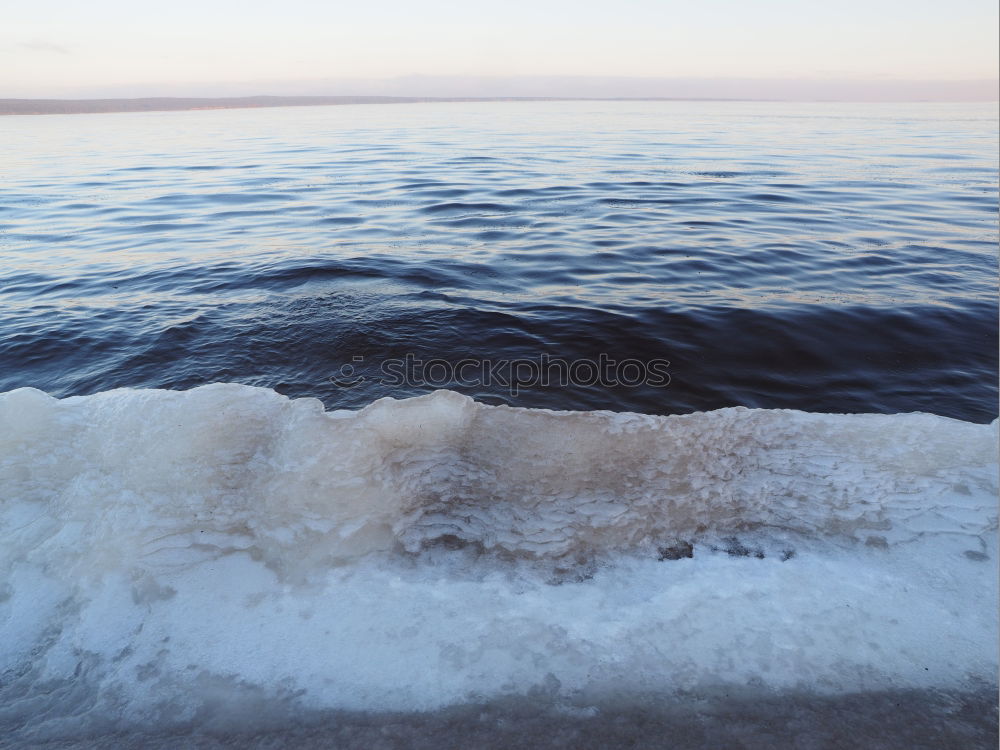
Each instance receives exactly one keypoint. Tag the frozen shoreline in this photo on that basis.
(228, 554)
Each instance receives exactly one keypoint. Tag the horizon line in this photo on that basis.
(12, 106)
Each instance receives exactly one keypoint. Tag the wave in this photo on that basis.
(137, 465)
(162, 548)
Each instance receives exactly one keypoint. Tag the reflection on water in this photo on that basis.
(823, 257)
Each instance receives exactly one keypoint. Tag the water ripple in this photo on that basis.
(813, 260)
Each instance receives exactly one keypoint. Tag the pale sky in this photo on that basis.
(53, 48)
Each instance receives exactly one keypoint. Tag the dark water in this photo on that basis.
(819, 257)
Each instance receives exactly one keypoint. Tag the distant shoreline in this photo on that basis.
(14, 106)
(174, 104)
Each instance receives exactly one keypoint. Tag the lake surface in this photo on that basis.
(212, 564)
(824, 257)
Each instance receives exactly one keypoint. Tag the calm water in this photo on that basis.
(820, 257)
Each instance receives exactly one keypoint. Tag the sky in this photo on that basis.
(81, 48)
